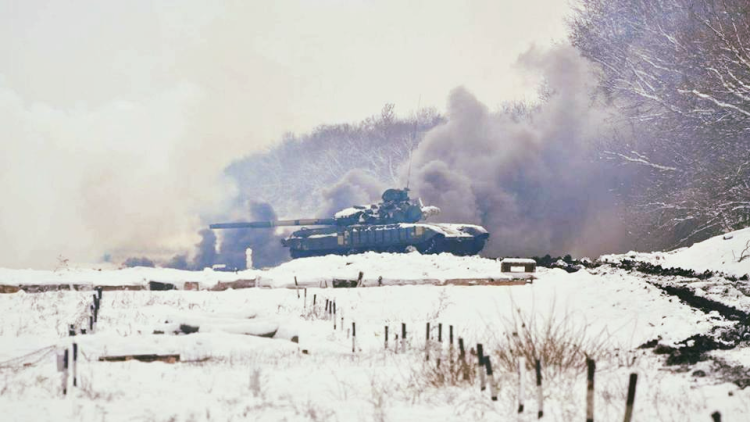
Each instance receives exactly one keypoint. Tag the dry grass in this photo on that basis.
(559, 342)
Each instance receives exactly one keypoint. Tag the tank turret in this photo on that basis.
(393, 225)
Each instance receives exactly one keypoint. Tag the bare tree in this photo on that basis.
(679, 70)
(292, 174)
(744, 254)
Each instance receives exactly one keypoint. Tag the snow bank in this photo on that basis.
(138, 276)
(377, 268)
(389, 268)
(720, 253)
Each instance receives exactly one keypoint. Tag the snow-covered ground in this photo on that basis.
(720, 253)
(306, 370)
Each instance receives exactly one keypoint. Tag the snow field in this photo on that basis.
(228, 376)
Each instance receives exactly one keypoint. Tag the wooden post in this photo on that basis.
(386, 337)
(450, 352)
(631, 397)
(73, 351)
(61, 369)
(354, 337)
(359, 279)
(325, 314)
(96, 309)
(716, 416)
(66, 358)
(427, 343)
(315, 296)
(450, 347)
(539, 395)
(590, 390)
(462, 357)
(440, 343)
(480, 366)
(75, 364)
(91, 324)
(99, 291)
(521, 382)
(403, 337)
(493, 386)
(334, 316)
(296, 285)
(305, 305)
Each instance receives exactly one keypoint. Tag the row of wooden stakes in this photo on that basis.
(484, 366)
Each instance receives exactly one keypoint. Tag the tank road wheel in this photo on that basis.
(477, 246)
(300, 253)
(431, 246)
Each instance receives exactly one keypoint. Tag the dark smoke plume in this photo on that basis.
(533, 179)
(265, 243)
(355, 188)
(230, 249)
(206, 255)
(138, 262)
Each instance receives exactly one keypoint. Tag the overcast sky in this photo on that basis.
(122, 114)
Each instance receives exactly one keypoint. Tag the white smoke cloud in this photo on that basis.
(115, 178)
(114, 140)
(356, 187)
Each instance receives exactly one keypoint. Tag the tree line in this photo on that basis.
(678, 72)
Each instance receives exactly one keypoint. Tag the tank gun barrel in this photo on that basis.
(275, 223)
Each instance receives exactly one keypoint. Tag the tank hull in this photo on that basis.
(458, 239)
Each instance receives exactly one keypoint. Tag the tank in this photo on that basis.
(397, 224)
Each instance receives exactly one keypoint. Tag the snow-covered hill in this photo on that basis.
(720, 253)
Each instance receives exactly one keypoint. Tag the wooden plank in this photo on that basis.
(9, 289)
(488, 282)
(41, 288)
(122, 287)
(239, 284)
(141, 358)
(191, 285)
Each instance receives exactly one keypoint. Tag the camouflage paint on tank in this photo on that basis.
(393, 225)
